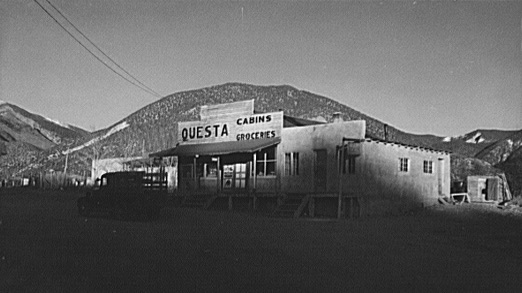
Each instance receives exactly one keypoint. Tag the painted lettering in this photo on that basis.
(184, 134)
(207, 131)
(224, 131)
(192, 132)
(256, 135)
(200, 128)
(254, 120)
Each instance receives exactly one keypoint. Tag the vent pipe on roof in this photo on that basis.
(337, 118)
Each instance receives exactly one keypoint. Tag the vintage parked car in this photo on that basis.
(126, 194)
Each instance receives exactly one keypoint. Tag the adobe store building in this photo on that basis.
(235, 158)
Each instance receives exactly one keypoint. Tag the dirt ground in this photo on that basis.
(45, 246)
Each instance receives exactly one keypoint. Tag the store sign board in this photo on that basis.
(231, 128)
(208, 112)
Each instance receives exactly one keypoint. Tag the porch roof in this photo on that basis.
(218, 148)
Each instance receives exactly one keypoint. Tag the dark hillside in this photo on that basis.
(462, 167)
(3, 148)
(24, 137)
(64, 131)
(17, 124)
(486, 135)
(154, 127)
(513, 168)
(184, 106)
(469, 144)
(499, 151)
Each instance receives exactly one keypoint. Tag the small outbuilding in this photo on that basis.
(488, 188)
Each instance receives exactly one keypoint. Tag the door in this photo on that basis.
(441, 175)
(320, 170)
(481, 189)
(492, 188)
(240, 175)
(234, 176)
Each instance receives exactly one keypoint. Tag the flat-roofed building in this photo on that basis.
(236, 158)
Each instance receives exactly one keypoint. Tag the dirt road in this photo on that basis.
(46, 247)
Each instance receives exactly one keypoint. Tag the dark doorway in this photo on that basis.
(492, 188)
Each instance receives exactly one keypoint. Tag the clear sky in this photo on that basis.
(439, 67)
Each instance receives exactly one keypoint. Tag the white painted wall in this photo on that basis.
(377, 181)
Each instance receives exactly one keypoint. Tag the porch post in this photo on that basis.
(255, 171)
(218, 179)
(195, 172)
(340, 165)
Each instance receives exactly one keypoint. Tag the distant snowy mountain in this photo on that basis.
(481, 136)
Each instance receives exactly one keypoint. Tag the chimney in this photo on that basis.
(337, 118)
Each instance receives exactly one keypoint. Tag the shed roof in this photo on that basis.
(218, 148)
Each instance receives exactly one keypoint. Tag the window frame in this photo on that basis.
(263, 158)
(427, 167)
(292, 164)
(350, 164)
(404, 164)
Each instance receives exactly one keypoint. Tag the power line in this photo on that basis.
(101, 51)
(134, 80)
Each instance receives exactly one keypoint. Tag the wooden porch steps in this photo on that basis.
(292, 206)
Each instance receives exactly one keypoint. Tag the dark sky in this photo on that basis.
(440, 67)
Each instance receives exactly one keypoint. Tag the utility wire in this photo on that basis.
(135, 81)
(101, 51)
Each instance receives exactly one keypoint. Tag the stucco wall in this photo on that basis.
(383, 188)
(377, 181)
(305, 140)
(100, 167)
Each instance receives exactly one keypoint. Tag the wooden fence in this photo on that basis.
(50, 180)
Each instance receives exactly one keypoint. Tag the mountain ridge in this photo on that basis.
(24, 135)
(153, 127)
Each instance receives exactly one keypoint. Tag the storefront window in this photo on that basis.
(266, 162)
